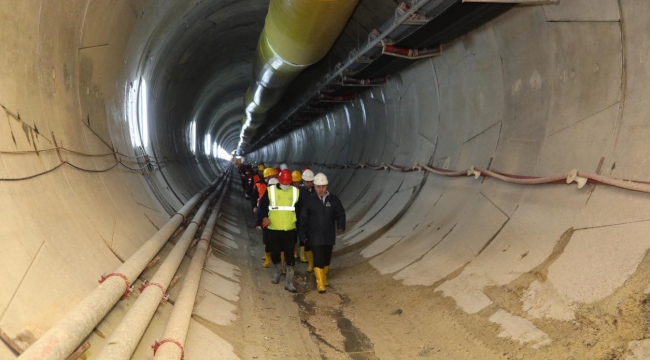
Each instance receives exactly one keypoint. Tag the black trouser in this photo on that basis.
(322, 255)
(280, 241)
(265, 240)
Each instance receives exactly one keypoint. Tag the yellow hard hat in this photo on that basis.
(269, 172)
(296, 176)
(260, 167)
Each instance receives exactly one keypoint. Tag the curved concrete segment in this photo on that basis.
(430, 266)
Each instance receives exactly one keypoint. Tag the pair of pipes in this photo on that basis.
(64, 337)
(297, 34)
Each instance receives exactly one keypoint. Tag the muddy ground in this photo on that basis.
(368, 316)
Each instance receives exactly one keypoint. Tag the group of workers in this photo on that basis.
(294, 211)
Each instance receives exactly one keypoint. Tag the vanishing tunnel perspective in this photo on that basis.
(325, 179)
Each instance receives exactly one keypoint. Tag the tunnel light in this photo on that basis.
(220, 152)
(193, 136)
(132, 117)
(144, 114)
(207, 142)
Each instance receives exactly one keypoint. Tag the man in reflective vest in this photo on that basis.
(277, 212)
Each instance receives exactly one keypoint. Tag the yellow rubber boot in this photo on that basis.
(326, 271)
(267, 260)
(320, 278)
(310, 261)
(284, 271)
(303, 258)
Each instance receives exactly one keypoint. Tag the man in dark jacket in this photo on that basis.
(320, 217)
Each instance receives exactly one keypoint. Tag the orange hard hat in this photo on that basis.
(285, 177)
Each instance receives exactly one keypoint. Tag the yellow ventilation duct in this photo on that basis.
(297, 33)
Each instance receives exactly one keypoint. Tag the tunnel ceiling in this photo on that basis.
(199, 67)
(202, 69)
(434, 24)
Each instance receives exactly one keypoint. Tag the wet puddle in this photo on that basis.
(355, 343)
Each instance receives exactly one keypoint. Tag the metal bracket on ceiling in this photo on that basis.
(338, 66)
(411, 54)
(415, 19)
(386, 40)
(350, 81)
(336, 99)
(360, 59)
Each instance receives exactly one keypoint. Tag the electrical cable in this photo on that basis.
(580, 177)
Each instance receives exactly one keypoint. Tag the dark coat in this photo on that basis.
(318, 221)
(304, 195)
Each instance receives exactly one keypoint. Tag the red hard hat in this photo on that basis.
(278, 170)
(285, 177)
(305, 168)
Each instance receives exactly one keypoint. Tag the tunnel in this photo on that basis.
(492, 170)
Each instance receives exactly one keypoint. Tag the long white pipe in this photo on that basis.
(64, 337)
(123, 341)
(172, 343)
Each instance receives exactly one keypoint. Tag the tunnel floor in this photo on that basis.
(273, 323)
(365, 315)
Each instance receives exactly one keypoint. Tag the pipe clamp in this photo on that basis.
(128, 289)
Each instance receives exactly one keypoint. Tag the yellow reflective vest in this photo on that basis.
(282, 208)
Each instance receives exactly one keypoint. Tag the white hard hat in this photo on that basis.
(283, 166)
(308, 175)
(274, 181)
(320, 179)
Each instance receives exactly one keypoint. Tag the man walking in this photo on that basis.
(277, 212)
(320, 217)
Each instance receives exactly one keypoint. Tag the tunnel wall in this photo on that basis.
(65, 75)
(539, 91)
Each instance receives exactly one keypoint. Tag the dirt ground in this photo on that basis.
(368, 316)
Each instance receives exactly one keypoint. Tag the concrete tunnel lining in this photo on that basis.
(506, 271)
